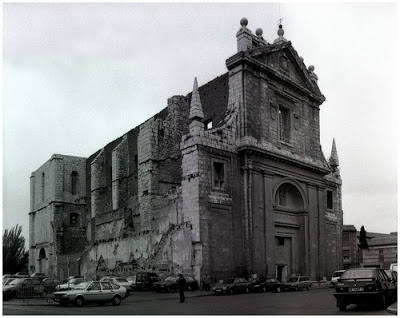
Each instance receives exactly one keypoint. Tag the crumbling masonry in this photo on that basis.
(229, 180)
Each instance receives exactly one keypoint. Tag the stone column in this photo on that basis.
(313, 231)
(269, 224)
(322, 235)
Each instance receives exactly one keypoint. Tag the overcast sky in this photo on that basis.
(76, 76)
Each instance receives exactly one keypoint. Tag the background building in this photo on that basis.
(381, 251)
(227, 180)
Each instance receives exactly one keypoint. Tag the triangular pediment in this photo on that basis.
(283, 59)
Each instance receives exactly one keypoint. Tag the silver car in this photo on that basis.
(119, 281)
(95, 291)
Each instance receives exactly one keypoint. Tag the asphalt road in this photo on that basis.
(313, 302)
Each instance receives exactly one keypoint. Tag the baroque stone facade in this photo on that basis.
(227, 180)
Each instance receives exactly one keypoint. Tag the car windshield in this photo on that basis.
(292, 279)
(229, 281)
(17, 281)
(76, 280)
(337, 274)
(358, 273)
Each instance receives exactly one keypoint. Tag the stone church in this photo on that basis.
(228, 180)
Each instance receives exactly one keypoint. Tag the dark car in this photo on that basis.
(264, 285)
(298, 283)
(170, 284)
(145, 281)
(23, 287)
(364, 286)
(231, 286)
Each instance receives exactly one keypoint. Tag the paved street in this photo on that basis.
(314, 302)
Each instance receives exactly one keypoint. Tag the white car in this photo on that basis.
(70, 284)
(119, 281)
(95, 291)
(335, 277)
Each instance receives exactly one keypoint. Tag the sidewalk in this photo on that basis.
(392, 308)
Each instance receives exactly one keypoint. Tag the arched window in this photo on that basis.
(74, 182)
(43, 186)
(288, 196)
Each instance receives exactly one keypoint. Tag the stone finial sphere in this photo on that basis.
(259, 32)
(280, 30)
(243, 22)
(311, 68)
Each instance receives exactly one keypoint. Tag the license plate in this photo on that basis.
(356, 289)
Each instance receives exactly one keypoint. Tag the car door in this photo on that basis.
(106, 291)
(93, 292)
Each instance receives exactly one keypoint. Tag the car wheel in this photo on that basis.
(79, 301)
(127, 292)
(116, 301)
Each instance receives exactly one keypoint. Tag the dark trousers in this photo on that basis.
(181, 296)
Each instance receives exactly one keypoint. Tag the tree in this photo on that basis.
(363, 239)
(15, 258)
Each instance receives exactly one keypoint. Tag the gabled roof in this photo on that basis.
(291, 53)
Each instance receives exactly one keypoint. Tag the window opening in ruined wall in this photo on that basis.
(208, 124)
(74, 182)
(284, 124)
(329, 199)
(218, 175)
(43, 188)
(74, 219)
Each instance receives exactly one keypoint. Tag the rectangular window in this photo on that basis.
(218, 175)
(346, 236)
(381, 256)
(329, 200)
(284, 124)
(281, 241)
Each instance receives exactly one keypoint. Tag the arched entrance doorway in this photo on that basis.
(42, 261)
(289, 240)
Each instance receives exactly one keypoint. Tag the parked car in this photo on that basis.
(70, 284)
(231, 286)
(23, 287)
(21, 275)
(131, 279)
(364, 286)
(119, 281)
(170, 284)
(335, 276)
(40, 276)
(298, 283)
(392, 275)
(264, 285)
(94, 291)
(50, 284)
(7, 281)
(145, 280)
(393, 267)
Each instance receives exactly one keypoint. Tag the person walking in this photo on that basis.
(181, 288)
(206, 283)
